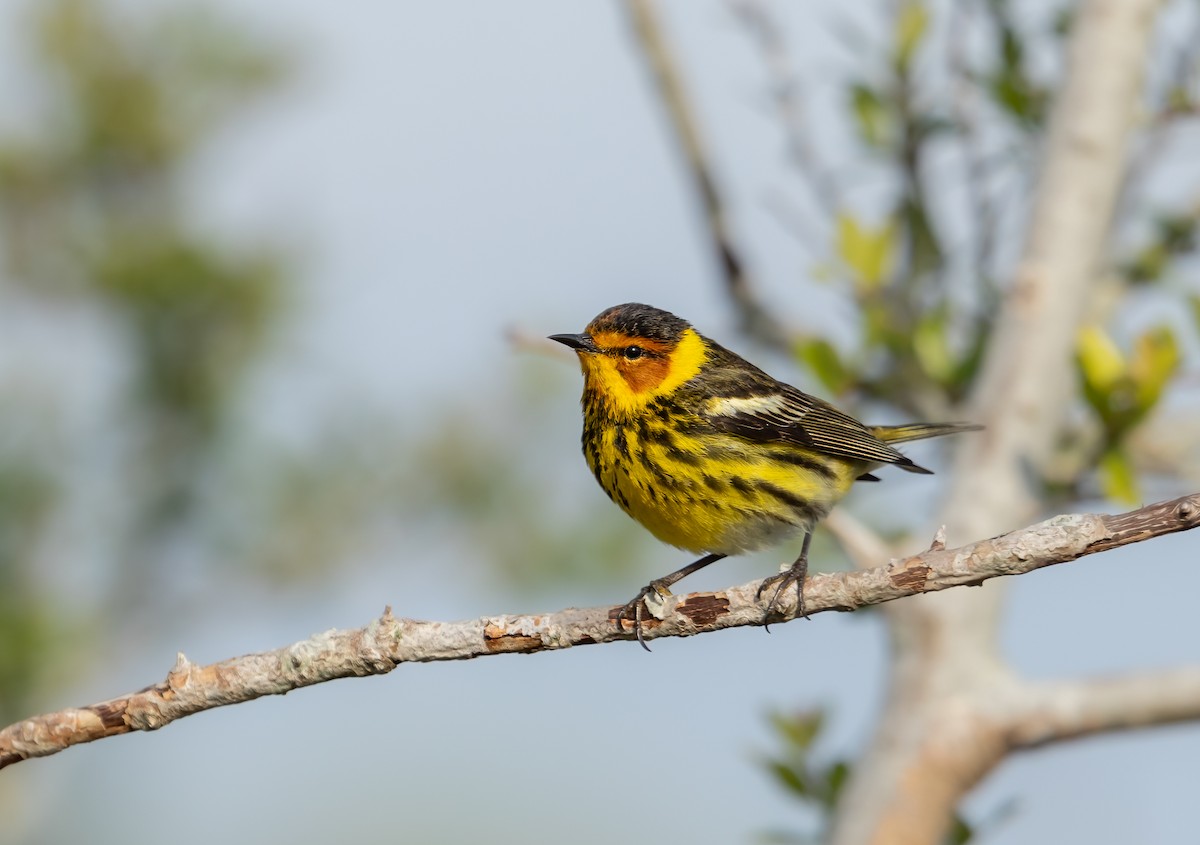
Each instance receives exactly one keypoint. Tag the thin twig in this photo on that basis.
(789, 100)
(757, 320)
(1159, 126)
(965, 108)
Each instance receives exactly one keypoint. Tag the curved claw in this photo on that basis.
(660, 588)
(796, 574)
(785, 579)
(635, 609)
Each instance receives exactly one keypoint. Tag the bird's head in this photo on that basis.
(632, 354)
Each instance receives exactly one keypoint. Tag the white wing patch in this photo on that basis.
(754, 406)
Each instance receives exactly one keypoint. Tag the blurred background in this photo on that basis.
(274, 286)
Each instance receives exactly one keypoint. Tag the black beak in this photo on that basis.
(578, 342)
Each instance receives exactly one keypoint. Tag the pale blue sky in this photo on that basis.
(452, 169)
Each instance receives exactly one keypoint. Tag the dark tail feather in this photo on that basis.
(918, 431)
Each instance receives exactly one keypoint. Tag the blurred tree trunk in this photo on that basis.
(948, 717)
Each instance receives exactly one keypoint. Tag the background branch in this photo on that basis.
(1054, 711)
(379, 647)
(858, 540)
(787, 93)
(756, 320)
(947, 667)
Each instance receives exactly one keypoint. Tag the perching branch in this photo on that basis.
(389, 641)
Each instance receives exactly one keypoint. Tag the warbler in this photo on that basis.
(710, 453)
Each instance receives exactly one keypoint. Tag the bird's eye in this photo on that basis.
(632, 353)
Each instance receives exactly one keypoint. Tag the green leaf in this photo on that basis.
(870, 113)
(836, 779)
(1178, 231)
(1118, 478)
(931, 347)
(925, 250)
(1174, 235)
(1012, 51)
(1148, 265)
(800, 730)
(1179, 100)
(1063, 21)
(1123, 390)
(792, 780)
(868, 253)
(1155, 360)
(960, 832)
(1012, 94)
(1102, 366)
(911, 25)
(824, 361)
(1011, 87)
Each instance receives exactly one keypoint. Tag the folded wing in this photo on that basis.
(786, 415)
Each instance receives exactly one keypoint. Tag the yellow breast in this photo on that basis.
(708, 493)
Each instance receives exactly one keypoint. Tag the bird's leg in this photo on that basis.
(794, 574)
(659, 588)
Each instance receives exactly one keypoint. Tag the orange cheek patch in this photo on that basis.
(644, 374)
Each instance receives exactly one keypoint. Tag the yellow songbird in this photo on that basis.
(710, 453)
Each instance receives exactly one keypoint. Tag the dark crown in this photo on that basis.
(637, 320)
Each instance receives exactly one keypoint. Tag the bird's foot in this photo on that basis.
(651, 599)
(794, 574)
